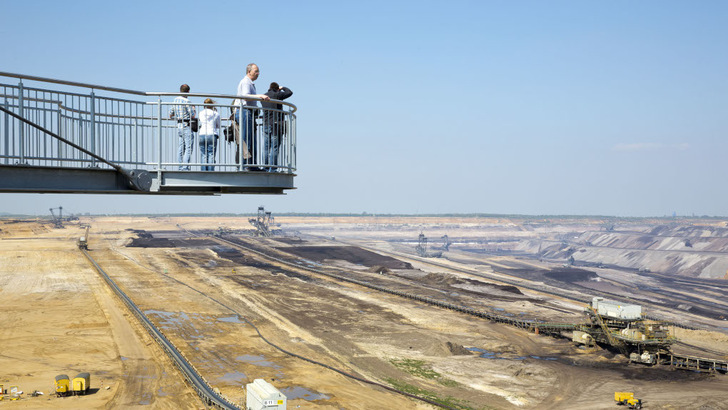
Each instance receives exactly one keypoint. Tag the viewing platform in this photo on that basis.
(67, 137)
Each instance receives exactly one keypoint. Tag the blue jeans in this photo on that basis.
(184, 150)
(270, 148)
(248, 134)
(208, 146)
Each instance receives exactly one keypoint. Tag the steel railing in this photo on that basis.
(129, 128)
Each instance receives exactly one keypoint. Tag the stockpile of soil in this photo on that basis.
(291, 241)
(350, 254)
(444, 279)
(169, 243)
(570, 275)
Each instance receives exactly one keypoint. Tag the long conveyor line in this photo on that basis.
(543, 327)
(522, 284)
(198, 383)
(203, 389)
(676, 361)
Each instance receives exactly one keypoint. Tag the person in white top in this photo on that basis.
(209, 133)
(246, 88)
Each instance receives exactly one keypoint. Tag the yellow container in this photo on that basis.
(621, 396)
(63, 385)
(81, 383)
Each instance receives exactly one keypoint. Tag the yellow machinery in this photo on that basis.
(14, 393)
(627, 399)
(81, 383)
(83, 241)
(63, 385)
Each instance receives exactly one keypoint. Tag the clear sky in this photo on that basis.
(515, 107)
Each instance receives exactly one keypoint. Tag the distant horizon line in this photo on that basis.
(367, 214)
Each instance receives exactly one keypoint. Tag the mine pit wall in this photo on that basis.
(660, 256)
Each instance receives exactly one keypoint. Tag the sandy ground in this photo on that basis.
(59, 317)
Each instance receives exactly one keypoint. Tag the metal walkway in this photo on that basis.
(73, 139)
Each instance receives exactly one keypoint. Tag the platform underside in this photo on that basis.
(31, 179)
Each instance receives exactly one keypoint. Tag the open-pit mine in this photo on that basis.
(364, 312)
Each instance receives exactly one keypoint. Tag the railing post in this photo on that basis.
(93, 127)
(60, 147)
(159, 134)
(7, 132)
(240, 134)
(289, 141)
(21, 143)
(293, 136)
(140, 156)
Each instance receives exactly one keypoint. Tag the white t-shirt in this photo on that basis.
(209, 122)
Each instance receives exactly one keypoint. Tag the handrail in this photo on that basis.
(137, 179)
(139, 134)
(71, 83)
(136, 92)
(234, 97)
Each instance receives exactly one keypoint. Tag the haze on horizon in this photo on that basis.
(525, 108)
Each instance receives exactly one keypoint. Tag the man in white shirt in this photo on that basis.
(246, 88)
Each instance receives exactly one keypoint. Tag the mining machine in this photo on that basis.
(627, 399)
(262, 223)
(57, 220)
(447, 244)
(83, 240)
(623, 327)
(421, 248)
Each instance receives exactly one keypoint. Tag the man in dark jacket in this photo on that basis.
(274, 124)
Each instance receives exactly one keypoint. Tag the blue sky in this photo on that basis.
(516, 107)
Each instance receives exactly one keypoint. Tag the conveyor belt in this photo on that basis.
(533, 325)
(677, 361)
(203, 389)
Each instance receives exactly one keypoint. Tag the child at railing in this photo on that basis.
(208, 135)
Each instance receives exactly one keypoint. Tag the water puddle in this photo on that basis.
(485, 354)
(168, 318)
(146, 399)
(293, 393)
(234, 377)
(541, 358)
(231, 319)
(257, 361)
(180, 321)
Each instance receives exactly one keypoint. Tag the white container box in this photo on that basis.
(617, 310)
(261, 395)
